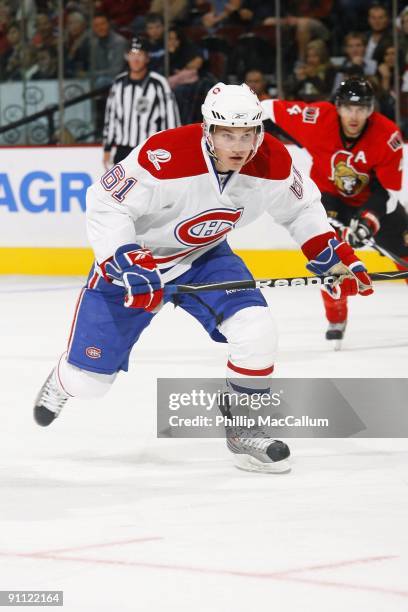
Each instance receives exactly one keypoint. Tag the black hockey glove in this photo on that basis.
(361, 229)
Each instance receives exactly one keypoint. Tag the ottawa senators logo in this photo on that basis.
(347, 179)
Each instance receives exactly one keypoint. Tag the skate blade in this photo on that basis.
(250, 464)
(337, 345)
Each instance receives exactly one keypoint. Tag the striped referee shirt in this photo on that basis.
(136, 110)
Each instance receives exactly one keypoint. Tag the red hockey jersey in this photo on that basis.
(345, 172)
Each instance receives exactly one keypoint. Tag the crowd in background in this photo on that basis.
(323, 41)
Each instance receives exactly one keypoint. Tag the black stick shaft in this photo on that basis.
(273, 128)
(296, 281)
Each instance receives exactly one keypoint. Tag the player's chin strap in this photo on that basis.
(372, 243)
(297, 281)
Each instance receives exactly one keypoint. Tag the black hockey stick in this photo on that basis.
(273, 128)
(372, 243)
(297, 281)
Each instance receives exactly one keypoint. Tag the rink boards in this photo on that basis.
(42, 205)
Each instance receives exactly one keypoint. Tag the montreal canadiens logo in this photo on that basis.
(158, 156)
(207, 227)
(93, 352)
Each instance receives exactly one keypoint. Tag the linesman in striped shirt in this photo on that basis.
(140, 103)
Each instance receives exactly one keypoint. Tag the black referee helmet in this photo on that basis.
(138, 44)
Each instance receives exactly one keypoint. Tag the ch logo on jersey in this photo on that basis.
(158, 156)
(347, 179)
(208, 226)
(93, 352)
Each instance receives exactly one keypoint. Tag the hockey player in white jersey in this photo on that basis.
(163, 214)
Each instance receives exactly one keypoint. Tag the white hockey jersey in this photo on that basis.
(166, 195)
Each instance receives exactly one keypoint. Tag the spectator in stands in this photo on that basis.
(312, 80)
(183, 54)
(386, 67)
(254, 12)
(403, 35)
(18, 58)
(45, 35)
(5, 17)
(354, 63)
(255, 79)
(76, 48)
(380, 34)
(385, 79)
(186, 61)
(154, 31)
(46, 64)
(126, 16)
(221, 13)
(108, 51)
(355, 48)
(178, 9)
(304, 28)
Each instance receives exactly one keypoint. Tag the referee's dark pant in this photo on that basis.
(121, 153)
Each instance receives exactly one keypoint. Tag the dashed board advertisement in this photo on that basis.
(42, 213)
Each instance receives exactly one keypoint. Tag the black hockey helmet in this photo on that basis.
(356, 91)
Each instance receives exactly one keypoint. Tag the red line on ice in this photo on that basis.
(279, 575)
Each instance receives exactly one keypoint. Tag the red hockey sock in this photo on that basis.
(336, 310)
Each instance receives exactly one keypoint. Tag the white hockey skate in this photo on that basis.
(255, 451)
(49, 402)
(335, 332)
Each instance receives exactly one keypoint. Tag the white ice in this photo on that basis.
(98, 507)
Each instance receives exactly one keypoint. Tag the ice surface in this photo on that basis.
(96, 506)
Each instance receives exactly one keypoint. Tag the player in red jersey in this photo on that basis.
(357, 165)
